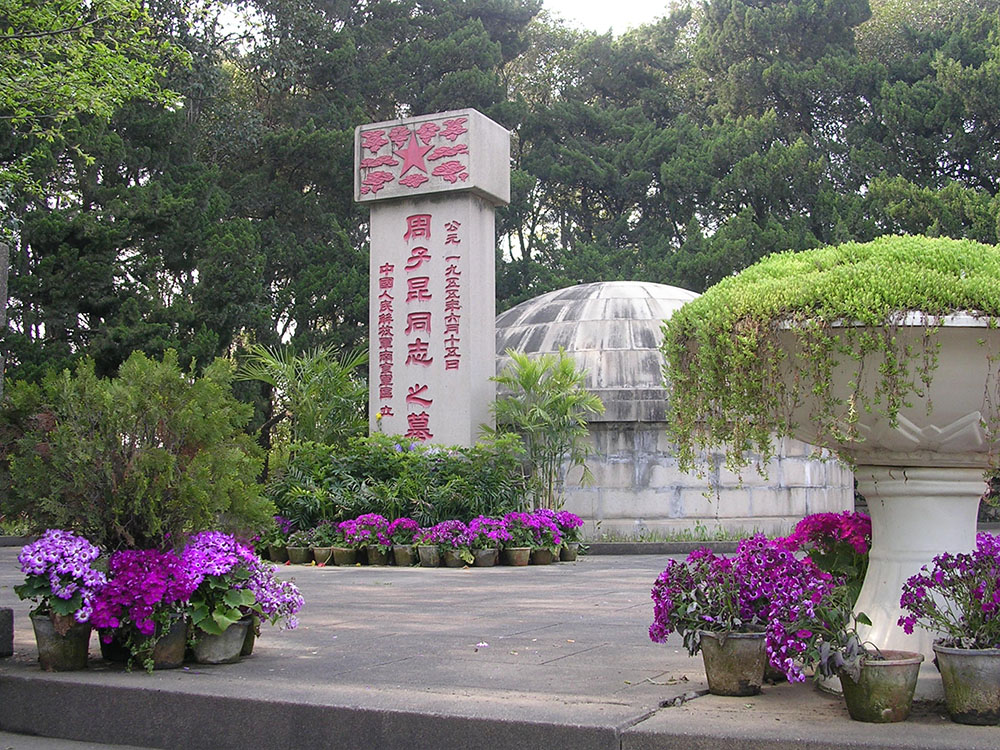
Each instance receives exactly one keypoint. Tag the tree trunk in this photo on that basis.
(4, 270)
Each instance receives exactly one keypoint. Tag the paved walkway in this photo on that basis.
(538, 657)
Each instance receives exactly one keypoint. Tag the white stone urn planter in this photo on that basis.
(923, 472)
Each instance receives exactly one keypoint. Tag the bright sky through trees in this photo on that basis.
(601, 15)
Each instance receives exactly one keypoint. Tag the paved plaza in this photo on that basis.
(538, 657)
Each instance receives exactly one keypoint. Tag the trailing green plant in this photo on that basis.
(542, 399)
(727, 355)
(131, 462)
(395, 477)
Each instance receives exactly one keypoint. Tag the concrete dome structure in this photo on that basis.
(613, 330)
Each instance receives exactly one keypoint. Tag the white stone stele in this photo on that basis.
(438, 153)
(924, 476)
(461, 397)
(433, 183)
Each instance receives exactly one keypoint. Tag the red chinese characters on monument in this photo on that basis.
(386, 282)
(452, 298)
(412, 156)
(419, 264)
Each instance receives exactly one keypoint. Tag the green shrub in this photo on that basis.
(134, 461)
(542, 398)
(395, 477)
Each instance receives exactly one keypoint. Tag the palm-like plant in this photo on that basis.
(319, 393)
(543, 400)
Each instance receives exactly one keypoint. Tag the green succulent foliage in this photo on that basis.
(130, 462)
(724, 361)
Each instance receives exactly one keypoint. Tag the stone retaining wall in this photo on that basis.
(637, 488)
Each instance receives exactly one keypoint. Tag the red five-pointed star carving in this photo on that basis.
(413, 155)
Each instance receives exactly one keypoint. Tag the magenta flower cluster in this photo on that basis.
(142, 583)
(958, 596)
(763, 588)
(825, 532)
(146, 583)
(487, 533)
(453, 534)
(403, 530)
(58, 566)
(541, 528)
(370, 529)
(538, 529)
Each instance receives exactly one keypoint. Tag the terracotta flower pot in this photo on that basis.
(542, 556)
(299, 555)
(452, 559)
(971, 679)
(734, 662)
(569, 551)
(430, 556)
(224, 648)
(322, 555)
(345, 556)
(63, 643)
(485, 558)
(404, 555)
(517, 556)
(884, 691)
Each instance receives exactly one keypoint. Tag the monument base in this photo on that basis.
(917, 513)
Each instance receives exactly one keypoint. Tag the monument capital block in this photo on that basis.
(461, 150)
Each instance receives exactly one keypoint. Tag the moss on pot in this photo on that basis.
(724, 363)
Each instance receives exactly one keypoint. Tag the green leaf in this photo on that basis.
(239, 598)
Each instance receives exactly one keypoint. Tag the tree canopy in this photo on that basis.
(221, 216)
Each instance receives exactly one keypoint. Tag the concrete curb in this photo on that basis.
(36, 705)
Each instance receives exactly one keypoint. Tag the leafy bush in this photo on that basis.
(543, 400)
(131, 462)
(395, 478)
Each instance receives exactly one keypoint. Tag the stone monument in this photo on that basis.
(433, 183)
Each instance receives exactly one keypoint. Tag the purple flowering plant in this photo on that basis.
(763, 588)
(453, 535)
(370, 530)
(487, 533)
(536, 530)
(569, 524)
(327, 534)
(146, 589)
(60, 577)
(275, 600)
(276, 532)
(958, 597)
(838, 543)
(223, 568)
(403, 530)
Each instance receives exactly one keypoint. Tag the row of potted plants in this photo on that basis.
(540, 537)
(151, 607)
(788, 604)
